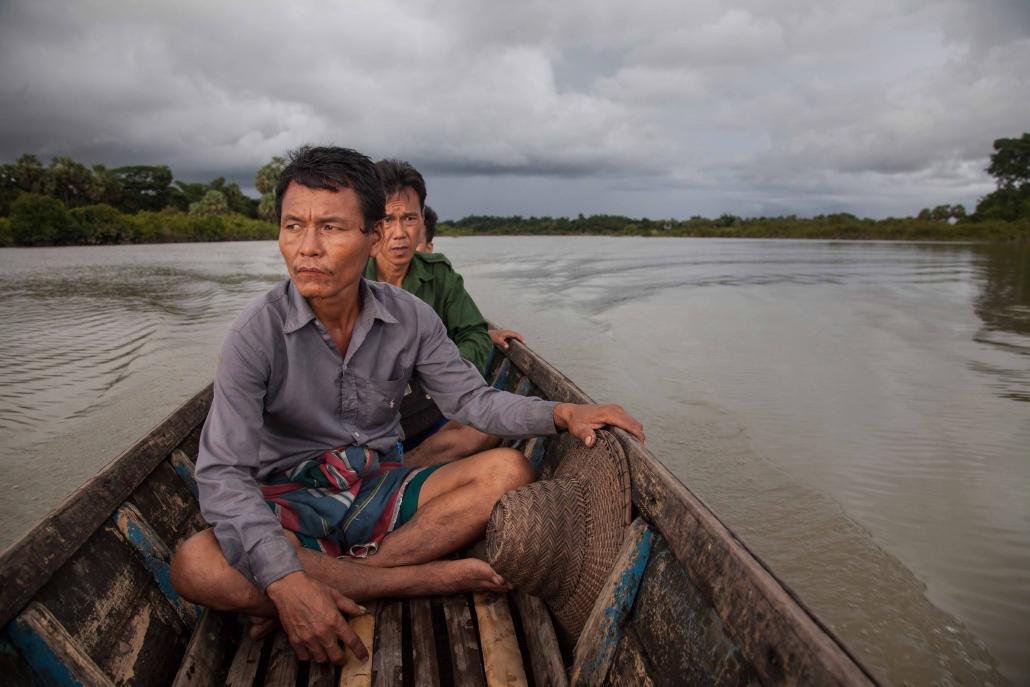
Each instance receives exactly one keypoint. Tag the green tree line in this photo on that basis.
(835, 226)
(67, 203)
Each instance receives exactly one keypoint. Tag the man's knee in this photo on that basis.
(193, 565)
(508, 469)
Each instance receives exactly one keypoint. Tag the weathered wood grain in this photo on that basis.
(603, 628)
(245, 663)
(682, 636)
(185, 469)
(191, 444)
(500, 375)
(545, 657)
(321, 675)
(629, 668)
(357, 673)
(282, 663)
(514, 380)
(387, 666)
(168, 505)
(502, 660)
(110, 604)
(52, 652)
(156, 557)
(523, 387)
(205, 663)
(423, 644)
(466, 656)
(32, 560)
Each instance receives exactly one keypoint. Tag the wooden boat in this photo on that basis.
(86, 597)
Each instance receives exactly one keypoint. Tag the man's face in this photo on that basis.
(402, 229)
(321, 240)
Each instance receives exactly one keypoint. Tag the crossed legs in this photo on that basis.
(454, 505)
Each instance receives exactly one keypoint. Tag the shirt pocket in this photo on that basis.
(379, 400)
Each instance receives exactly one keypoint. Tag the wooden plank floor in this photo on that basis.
(480, 640)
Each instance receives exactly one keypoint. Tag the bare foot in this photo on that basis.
(261, 626)
(464, 575)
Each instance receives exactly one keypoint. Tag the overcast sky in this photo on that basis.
(658, 109)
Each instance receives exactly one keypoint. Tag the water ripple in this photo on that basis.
(75, 330)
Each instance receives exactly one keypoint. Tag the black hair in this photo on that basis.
(397, 175)
(332, 168)
(430, 222)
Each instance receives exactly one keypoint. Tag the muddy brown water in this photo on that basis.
(858, 412)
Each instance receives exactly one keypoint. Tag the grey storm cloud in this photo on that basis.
(660, 109)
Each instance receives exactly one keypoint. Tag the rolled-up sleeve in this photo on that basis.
(251, 537)
(463, 394)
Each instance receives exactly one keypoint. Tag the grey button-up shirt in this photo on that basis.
(284, 394)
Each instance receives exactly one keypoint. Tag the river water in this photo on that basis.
(859, 413)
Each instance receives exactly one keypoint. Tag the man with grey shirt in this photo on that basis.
(299, 455)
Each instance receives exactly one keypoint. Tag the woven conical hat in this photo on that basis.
(558, 538)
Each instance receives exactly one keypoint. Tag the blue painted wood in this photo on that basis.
(184, 468)
(38, 654)
(13, 667)
(51, 653)
(537, 452)
(524, 386)
(603, 629)
(501, 380)
(156, 557)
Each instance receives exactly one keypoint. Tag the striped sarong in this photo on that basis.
(344, 502)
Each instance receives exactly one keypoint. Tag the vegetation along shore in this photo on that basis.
(67, 203)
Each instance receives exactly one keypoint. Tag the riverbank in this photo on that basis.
(49, 224)
(46, 222)
(828, 227)
(102, 227)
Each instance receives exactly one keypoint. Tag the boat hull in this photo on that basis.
(86, 597)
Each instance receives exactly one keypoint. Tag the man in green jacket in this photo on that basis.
(499, 337)
(431, 277)
(430, 438)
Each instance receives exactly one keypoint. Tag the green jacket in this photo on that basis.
(431, 278)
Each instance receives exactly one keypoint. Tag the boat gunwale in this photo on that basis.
(31, 561)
